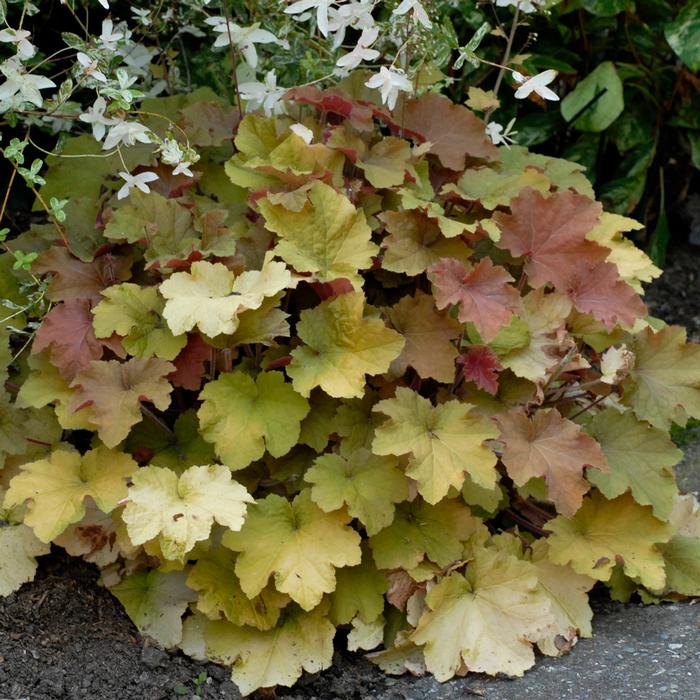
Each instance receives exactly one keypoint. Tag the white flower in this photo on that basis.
(138, 58)
(19, 37)
(144, 15)
(419, 13)
(110, 37)
(90, 67)
(244, 39)
(95, 115)
(303, 132)
(171, 153)
(104, 4)
(139, 181)
(389, 81)
(266, 95)
(526, 6)
(498, 135)
(183, 168)
(537, 84)
(354, 15)
(361, 52)
(321, 6)
(22, 86)
(127, 133)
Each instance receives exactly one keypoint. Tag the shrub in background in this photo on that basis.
(357, 368)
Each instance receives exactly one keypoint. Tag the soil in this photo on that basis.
(62, 636)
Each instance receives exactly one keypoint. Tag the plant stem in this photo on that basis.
(506, 58)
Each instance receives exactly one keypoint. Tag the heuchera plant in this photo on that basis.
(357, 369)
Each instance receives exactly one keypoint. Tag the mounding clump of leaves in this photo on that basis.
(368, 372)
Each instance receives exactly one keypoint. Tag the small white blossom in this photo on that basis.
(416, 7)
(90, 67)
(126, 133)
(171, 153)
(110, 36)
(104, 4)
(244, 39)
(537, 84)
(389, 82)
(321, 6)
(95, 116)
(526, 6)
(139, 181)
(21, 87)
(183, 168)
(266, 95)
(303, 132)
(143, 14)
(498, 135)
(353, 15)
(138, 58)
(361, 52)
(19, 37)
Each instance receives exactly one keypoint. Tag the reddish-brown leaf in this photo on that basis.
(481, 366)
(115, 391)
(453, 131)
(550, 446)
(600, 292)
(67, 331)
(550, 233)
(483, 293)
(209, 123)
(73, 279)
(189, 364)
(335, 101)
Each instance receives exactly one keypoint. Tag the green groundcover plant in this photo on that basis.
(357, 368)
(330, 357)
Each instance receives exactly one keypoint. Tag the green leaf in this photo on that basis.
(341, 346)
(155, 602)
(243, 417)
(607, 8)
(683, 34)
(640, 458)
(18, 548)
(298, 543)
(368, 484)
(135, 313)
(597, 101)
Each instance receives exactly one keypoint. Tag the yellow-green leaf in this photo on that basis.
(243, 416)
(328, 237)
(640, 457)
(664, 384)
(18, 548)
(219, 593)
(444, 442)
(135, 313)
(298, 543)
(603, 532)
(56, 487)
(485, 619)
(341, 345)
(155, 602)
(369, 485)
(303, 641)
(420, 530)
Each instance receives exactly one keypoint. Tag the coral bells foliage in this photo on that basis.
(355, 369)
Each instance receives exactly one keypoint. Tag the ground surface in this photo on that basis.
(64, 637)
